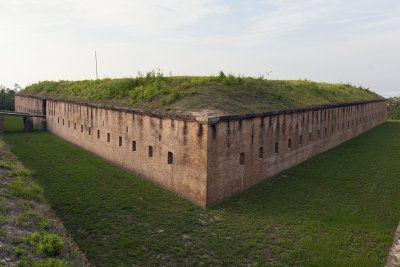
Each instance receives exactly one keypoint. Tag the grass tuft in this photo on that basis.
(26, 188)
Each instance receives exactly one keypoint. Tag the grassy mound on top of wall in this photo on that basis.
(340, 208)
(226, 94)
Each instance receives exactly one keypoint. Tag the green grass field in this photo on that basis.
(340, 208)
(223, 94)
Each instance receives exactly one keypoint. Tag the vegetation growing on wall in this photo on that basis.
(223, 93)
(394, 108)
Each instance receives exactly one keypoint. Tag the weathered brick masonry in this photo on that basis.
(205, 159)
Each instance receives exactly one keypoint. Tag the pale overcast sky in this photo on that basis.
(353, 41)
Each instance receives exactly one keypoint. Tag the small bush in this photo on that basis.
(19, 251)
(185, 85)
(48, 244)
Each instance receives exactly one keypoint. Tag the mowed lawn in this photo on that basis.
(340, 208)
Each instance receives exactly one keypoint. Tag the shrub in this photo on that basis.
(48, 244)
(19, 251)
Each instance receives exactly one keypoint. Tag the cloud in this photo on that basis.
(288, 15)
(153, 14)
(150, 15)
(381, 23)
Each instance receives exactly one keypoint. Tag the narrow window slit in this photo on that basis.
(150, 151)
(241, 158)
(170, 157)
(133, 145)
(261, 152)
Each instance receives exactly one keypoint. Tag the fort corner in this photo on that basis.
(205, 159)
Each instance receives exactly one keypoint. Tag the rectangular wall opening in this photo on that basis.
(170, 157)
(289, 143)
(81, 128)
(69, 124)
(120, 141)
(241, 160)
(261, 152)
(133, 145)
(98, 133)
(108, 137)
(276, 147)
(90, 131)
(150, 151)
(309, 136)
(63, 122)
(74, 125)
(301, 139)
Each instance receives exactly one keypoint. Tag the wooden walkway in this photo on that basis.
(27, 119)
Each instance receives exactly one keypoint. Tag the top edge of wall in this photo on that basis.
(205, 119)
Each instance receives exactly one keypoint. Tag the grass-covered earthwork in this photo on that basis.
(222, 94)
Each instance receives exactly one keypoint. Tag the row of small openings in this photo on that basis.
(150, 150)
(261, 149)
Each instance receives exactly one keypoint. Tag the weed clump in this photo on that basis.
(47, 244)
(26, 188)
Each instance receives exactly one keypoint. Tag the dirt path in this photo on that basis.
(394, 255)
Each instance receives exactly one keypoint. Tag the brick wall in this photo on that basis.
(205, 159)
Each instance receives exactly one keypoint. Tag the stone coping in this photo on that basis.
(204, 118)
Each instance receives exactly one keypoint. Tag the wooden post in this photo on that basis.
(28, 124)
(1, 125)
